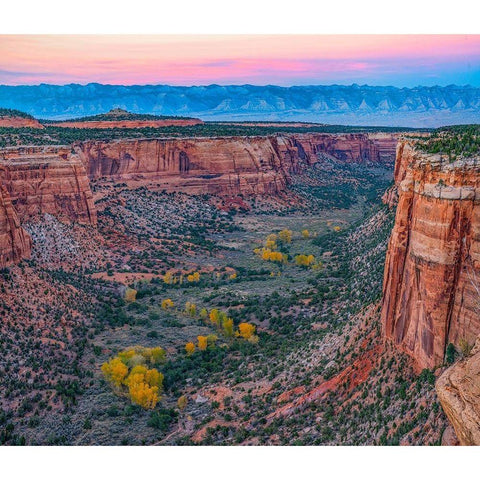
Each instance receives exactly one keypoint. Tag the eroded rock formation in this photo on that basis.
(15, 242)
(226, 165)
(432, 270)
(458, 390)
(56, 179)
(47, 180)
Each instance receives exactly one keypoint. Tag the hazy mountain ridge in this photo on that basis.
(354, 104)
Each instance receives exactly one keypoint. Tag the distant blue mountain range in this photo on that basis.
(352, 105)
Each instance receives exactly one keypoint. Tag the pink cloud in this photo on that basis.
(176, 59)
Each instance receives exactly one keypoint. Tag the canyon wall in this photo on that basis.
(432, 270)
(47, 179)
(56, 179)
(226, 165)
(15, 242)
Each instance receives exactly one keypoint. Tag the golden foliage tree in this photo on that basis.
(130, 294)
(190, 348)
(212, 340)
(182, 402)
(305, 233)
(304, 260)
(190, 309)
(246, 330)
(167, 303)
(227, 326)
(143, 384)
(202, 342)
(271, 256)
(168, 278)
(285, 236)
(115, 371)
(214, 316)
(194, 277)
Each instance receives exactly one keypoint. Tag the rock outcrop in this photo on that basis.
(432, 270)
(195, 165)
(47, 180)
(458, 390)
(15, 242)
(226, 165)
(129, 123)
(19, 122)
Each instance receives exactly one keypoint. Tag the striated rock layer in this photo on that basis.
(198, 165)
(47, 180)
(458, 389)
(227, 165)
(15, 242)
(432, 271)
(56, 179)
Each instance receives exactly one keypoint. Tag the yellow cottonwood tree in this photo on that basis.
(285, 236)
(130, 295)
(227, 326)
(167, 303)
(115, 371)
(190, 348)
(194, 277)
(202, 342)
(190, 309)
(214, 316)
(182, 402)
(246, 330)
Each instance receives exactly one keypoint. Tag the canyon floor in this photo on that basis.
(320, 373)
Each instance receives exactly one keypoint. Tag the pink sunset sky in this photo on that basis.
(399, 60)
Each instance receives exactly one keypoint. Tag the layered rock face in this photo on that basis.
(130, 123)
(227, 165)
(15, 242)
(198, 165)
(432, 270)
(458, 390)
(47, 180)
(56, 180)
(351, 148)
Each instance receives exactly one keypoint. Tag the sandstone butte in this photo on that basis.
(432, 269)
(56, 179)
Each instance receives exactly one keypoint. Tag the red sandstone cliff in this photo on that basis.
(226, 165)
(56, 180)
(47, 180)
(196, 165)
(432, 270)
(19, 122)
(15, 242)
(129, 123)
